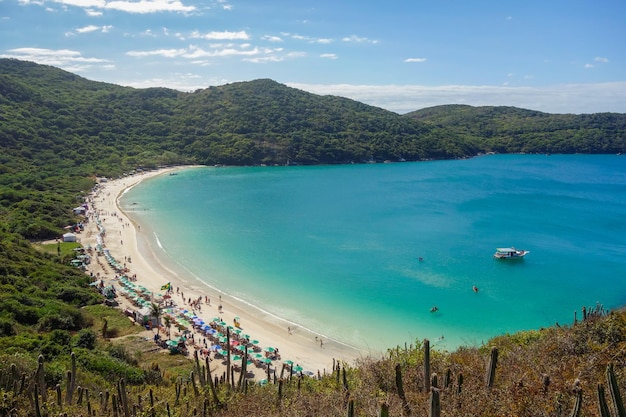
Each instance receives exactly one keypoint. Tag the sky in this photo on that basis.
(556, 56)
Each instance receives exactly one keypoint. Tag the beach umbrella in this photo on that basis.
(269, 349)
(297, 368)
(171, 343)
(266, 360)
(258, 355)
(288, 362)
(235, 358)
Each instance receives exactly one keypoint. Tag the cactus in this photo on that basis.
(426, 365)
(384, 409)
(435, 403)
(579, 399)
(280, 391)
(41, 378)
(71, 380)
(114, 405)
(199, 370)
(59, 397)
(447, 379)
(123, 398)
(491, 367)
(459, 383)
(37, 405)
(603, 407)
(212, 383)
(434, 381)
(192, 379)
(400, 388)
(616, 398)
(351, 407)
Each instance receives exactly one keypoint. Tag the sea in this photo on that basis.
(362, 253)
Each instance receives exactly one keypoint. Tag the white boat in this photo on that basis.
(510, 253)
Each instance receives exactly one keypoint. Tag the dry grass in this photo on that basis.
(565, 355)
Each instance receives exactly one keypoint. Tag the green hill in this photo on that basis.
(514, 130)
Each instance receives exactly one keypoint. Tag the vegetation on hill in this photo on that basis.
(514, 130)
(59, 131)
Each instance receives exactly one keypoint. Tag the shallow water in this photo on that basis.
(336, 248)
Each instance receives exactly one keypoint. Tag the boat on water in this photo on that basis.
(510, 253)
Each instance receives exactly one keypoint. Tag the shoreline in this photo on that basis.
(313, 352)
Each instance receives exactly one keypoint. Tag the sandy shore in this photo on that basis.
(127, 244)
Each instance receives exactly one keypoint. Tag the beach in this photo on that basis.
(144, 266)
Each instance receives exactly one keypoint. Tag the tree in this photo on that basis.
(156, 311)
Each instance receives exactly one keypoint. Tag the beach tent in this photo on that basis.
(69, 237)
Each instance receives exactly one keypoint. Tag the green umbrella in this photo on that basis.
(288, 362)
(269, 349)
(235, 358)
(266, 360)
(297, 368)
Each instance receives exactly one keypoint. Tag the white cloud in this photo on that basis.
(167, 53)
(66, 59)
(270, 38)
(601, 59)
(589, 66)
(225, 35)
(358, 39)
(566, 98)
(139, 7)
(93, 28)
(329, 56)
(415, 60)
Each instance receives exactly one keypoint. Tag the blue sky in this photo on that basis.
(551, 55)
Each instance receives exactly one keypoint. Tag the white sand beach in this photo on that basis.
(128, 246)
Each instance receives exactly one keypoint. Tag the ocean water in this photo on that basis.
(336, 249)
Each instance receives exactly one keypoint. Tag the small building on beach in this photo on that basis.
(69, 237)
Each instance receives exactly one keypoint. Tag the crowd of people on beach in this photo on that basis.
(214, 339)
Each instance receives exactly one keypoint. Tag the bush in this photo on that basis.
(6, 328)
(86, 339)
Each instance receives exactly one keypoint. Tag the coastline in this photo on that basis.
(125, 239)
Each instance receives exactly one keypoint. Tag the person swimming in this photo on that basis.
(434, 309)
(475, 288)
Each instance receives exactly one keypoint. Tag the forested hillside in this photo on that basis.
(514, 130)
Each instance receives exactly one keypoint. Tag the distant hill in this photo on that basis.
(511, 129)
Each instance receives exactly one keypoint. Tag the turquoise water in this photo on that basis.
(335, 248)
